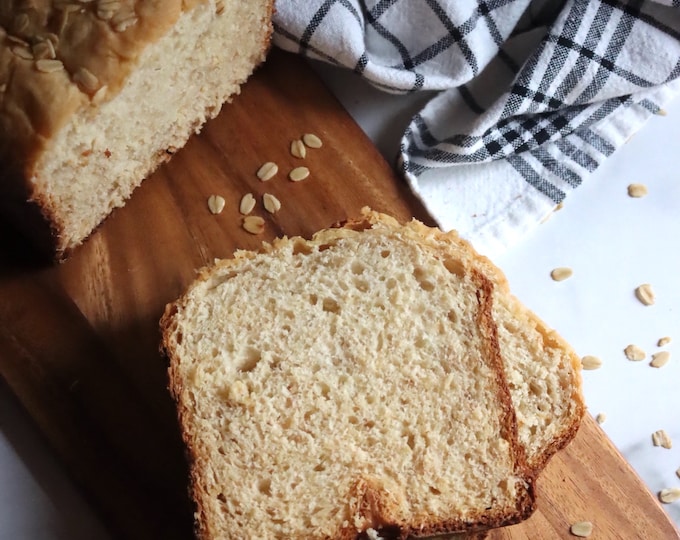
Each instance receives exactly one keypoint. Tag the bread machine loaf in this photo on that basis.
(354, 386)
(94, 95)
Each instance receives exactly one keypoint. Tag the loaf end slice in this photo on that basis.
(100, 96)
(342, 385)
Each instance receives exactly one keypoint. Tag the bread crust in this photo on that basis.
(375, 508)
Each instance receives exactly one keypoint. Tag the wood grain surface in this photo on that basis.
(79, 341)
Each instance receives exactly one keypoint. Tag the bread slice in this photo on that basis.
(541, 368)
(95, 95)
(347, 386)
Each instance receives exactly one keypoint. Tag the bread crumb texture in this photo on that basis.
(353, 383)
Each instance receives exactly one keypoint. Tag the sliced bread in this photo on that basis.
(346, 386)
(542, 370)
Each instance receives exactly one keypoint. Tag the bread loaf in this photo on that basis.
(352, 385)
(95, 95)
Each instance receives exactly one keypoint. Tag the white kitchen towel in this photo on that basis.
(534, 95)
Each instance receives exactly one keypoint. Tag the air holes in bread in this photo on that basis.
(455, 266)
(330, 305)
(300, 247)
(422, 276)
(265, 487)
(358, 268)
(252, 357)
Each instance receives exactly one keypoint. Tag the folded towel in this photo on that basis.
(534, 95)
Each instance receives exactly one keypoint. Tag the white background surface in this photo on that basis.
(612, 242)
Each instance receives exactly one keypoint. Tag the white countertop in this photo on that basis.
(612, 242)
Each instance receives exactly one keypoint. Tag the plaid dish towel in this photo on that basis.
(534, 94)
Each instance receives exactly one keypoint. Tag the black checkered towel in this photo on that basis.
(535, 94)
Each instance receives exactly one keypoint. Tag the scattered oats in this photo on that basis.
(645, 294)
(634, 353)
(267, 171)
(637, 190)
(216, 203)
(297, 149)
(48, 65)
(660, 359)
(253, 224)
(677, 473)
(312, 141)
(661, 438)
(582, 529)
(669, 495)
(664, 341)
(298, 173)
(562, 273)
(601, 418)
(591, 362)
(271, 203)
(247, 204)
(219, 7)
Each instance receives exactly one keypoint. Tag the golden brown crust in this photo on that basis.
(377, 510)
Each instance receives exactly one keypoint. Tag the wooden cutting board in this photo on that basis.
(79, 341)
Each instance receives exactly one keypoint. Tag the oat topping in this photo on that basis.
(48, 65)
(86, 80)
